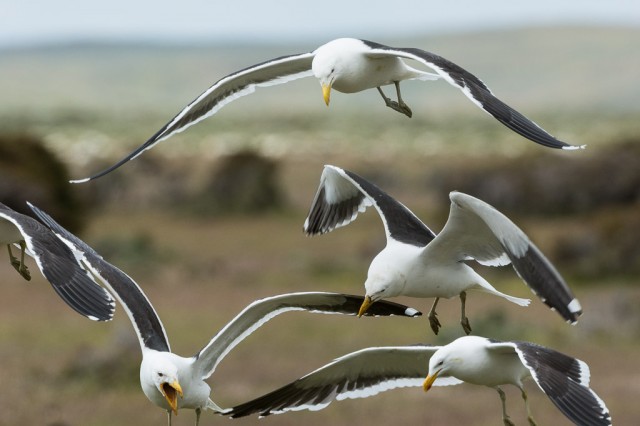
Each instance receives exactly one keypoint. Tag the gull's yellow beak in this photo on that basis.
(365, 305)
(428, 382)
(326, 93)
(171, 392)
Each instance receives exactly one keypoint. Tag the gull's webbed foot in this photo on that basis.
(505, 417)
(399, 106)
(465, 325)
(19, 265)
(24, 271)
(434, 322)
(507, 422)
(402, 108)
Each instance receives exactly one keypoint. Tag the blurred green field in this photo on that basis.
(90, 104)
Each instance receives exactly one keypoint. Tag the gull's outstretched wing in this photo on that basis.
(261, 311)
(343, 194)
(143, 316)
(476, 91)
(360, 374)
(60, 267)
(476, 230)
(565, 380)
(227, 89)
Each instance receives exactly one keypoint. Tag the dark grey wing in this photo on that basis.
(483, 233)
(227, 89)
(565, 380)
(60, 267)
(477, 91)
(360, 374)
(143, 316)
(343, 194)
(261, 311)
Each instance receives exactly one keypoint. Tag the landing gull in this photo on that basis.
(417, 263)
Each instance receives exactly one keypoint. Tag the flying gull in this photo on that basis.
(417, 263)
(171, 381)
(347, 65)
(56, 263)
(470, 359)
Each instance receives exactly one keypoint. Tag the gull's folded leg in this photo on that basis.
(526, 404)
(464, 321)
(505, 417)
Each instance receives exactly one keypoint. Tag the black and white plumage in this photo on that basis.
(470, 359)
(417, 263)
(171, 381)
(56, 263)
(347, 65)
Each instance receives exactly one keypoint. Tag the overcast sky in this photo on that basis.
(34, 21)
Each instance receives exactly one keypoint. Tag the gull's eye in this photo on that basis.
(160, 375)
(440, 363)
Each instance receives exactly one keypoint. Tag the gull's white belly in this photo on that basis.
(437, 281)
(495, 370)
(362, 73)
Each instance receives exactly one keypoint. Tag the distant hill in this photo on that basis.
(551, 69)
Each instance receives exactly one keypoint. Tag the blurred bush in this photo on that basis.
(241, 183)
(244, 182)
(30, 172)
(551, 184)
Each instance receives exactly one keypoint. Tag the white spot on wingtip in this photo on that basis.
(574, 147)
(410, 312)
(79, 180)
(574, 306)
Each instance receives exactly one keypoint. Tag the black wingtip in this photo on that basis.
(109, 169)
(157, 137)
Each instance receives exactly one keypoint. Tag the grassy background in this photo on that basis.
(92, 103)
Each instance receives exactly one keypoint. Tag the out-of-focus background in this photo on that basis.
(211, 219)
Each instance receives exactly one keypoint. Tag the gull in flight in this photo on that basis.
(171, 381)
(347, 65)
(418, 263)
(471, 359)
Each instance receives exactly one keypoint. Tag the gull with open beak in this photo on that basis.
(171, 381)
